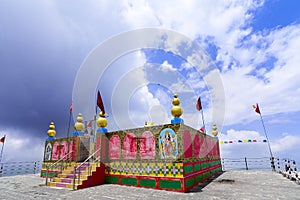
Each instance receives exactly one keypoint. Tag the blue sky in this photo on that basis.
(253, 44)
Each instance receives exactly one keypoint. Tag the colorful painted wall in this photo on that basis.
(73, 149)
(172, 157)
(169, 157)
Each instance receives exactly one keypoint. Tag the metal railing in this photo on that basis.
(77, 170)
(289, 169)
(262, 163)
(18, 168)
(62, 166)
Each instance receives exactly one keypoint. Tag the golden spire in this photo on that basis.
(102, 121)
(214, 130)
(51, 132)
(176, 109)
(79, 126)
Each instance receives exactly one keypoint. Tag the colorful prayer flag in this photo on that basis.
(2, 139)
(256, 107)
(71, 107)
(90, 124)
(100, 103)
(202, 129)
(198, 104)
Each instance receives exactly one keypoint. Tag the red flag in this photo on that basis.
(89, 124)
(256, 108)
(100, 103)
(198, 104)
(71, 107)
(2, 139)
(202, 129)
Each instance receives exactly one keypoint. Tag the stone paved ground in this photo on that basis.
(246, 185)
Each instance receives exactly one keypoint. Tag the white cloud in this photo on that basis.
(241, 150)
(19, 147)
(165, 67)
(286, 143)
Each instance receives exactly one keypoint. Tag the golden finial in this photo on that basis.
(102, 121)
(79, 126)
(51, 132)
(214, 130)
(176, 109)
(147, 124)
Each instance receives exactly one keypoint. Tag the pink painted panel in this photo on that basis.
(203, 147)
(55, 151)
(129, 146)
(147, 146)
(187, 144)
(114, 147)
(64, 150)
(98, 141)
(72, 149)
(196, 145)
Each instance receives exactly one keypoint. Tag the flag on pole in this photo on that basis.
(100, 102)
(198, 104)
(90, 124)
(2, 139)
(202, 129)
(71, 107)
(256, 107)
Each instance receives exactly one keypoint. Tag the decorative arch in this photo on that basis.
(196, 145)
(55, 151)
(64, 150)
(114, 147)
(187, 144)
(147, 145)
(129, 146)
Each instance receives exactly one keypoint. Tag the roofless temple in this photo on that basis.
(172, 157)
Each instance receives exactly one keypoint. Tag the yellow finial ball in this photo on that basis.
(176, 109)
(102, 121)
(176, 100)
(51, 132)
(214, 130)
(79, 126)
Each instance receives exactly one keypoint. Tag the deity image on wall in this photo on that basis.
(168, 146)
(48, 151)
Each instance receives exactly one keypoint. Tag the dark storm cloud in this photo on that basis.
(38, 65)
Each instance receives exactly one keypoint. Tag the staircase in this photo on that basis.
(86, 175)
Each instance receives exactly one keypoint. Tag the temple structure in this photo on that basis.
(172, 157)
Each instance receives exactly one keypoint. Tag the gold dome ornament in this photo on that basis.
(176, 109)
(102, 121)
(214, 130)
(79, 126)
(51, 132)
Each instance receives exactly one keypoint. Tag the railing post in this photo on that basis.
(278, 165)
(47, 170)
(273, 164)
(74, 177)
(295, 168)
(79, 176)
(223, 163)
(34, 168)
(1, 169)
(246, 163)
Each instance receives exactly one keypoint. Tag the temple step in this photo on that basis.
(88, 175)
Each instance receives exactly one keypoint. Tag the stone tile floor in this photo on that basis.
(228, 185)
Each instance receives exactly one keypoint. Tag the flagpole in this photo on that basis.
(2, 148)
(272, 158)
(70, 116)
(203, 121)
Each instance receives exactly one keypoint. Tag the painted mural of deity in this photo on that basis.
(168, 146)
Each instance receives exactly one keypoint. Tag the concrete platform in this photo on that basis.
(228, 185)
